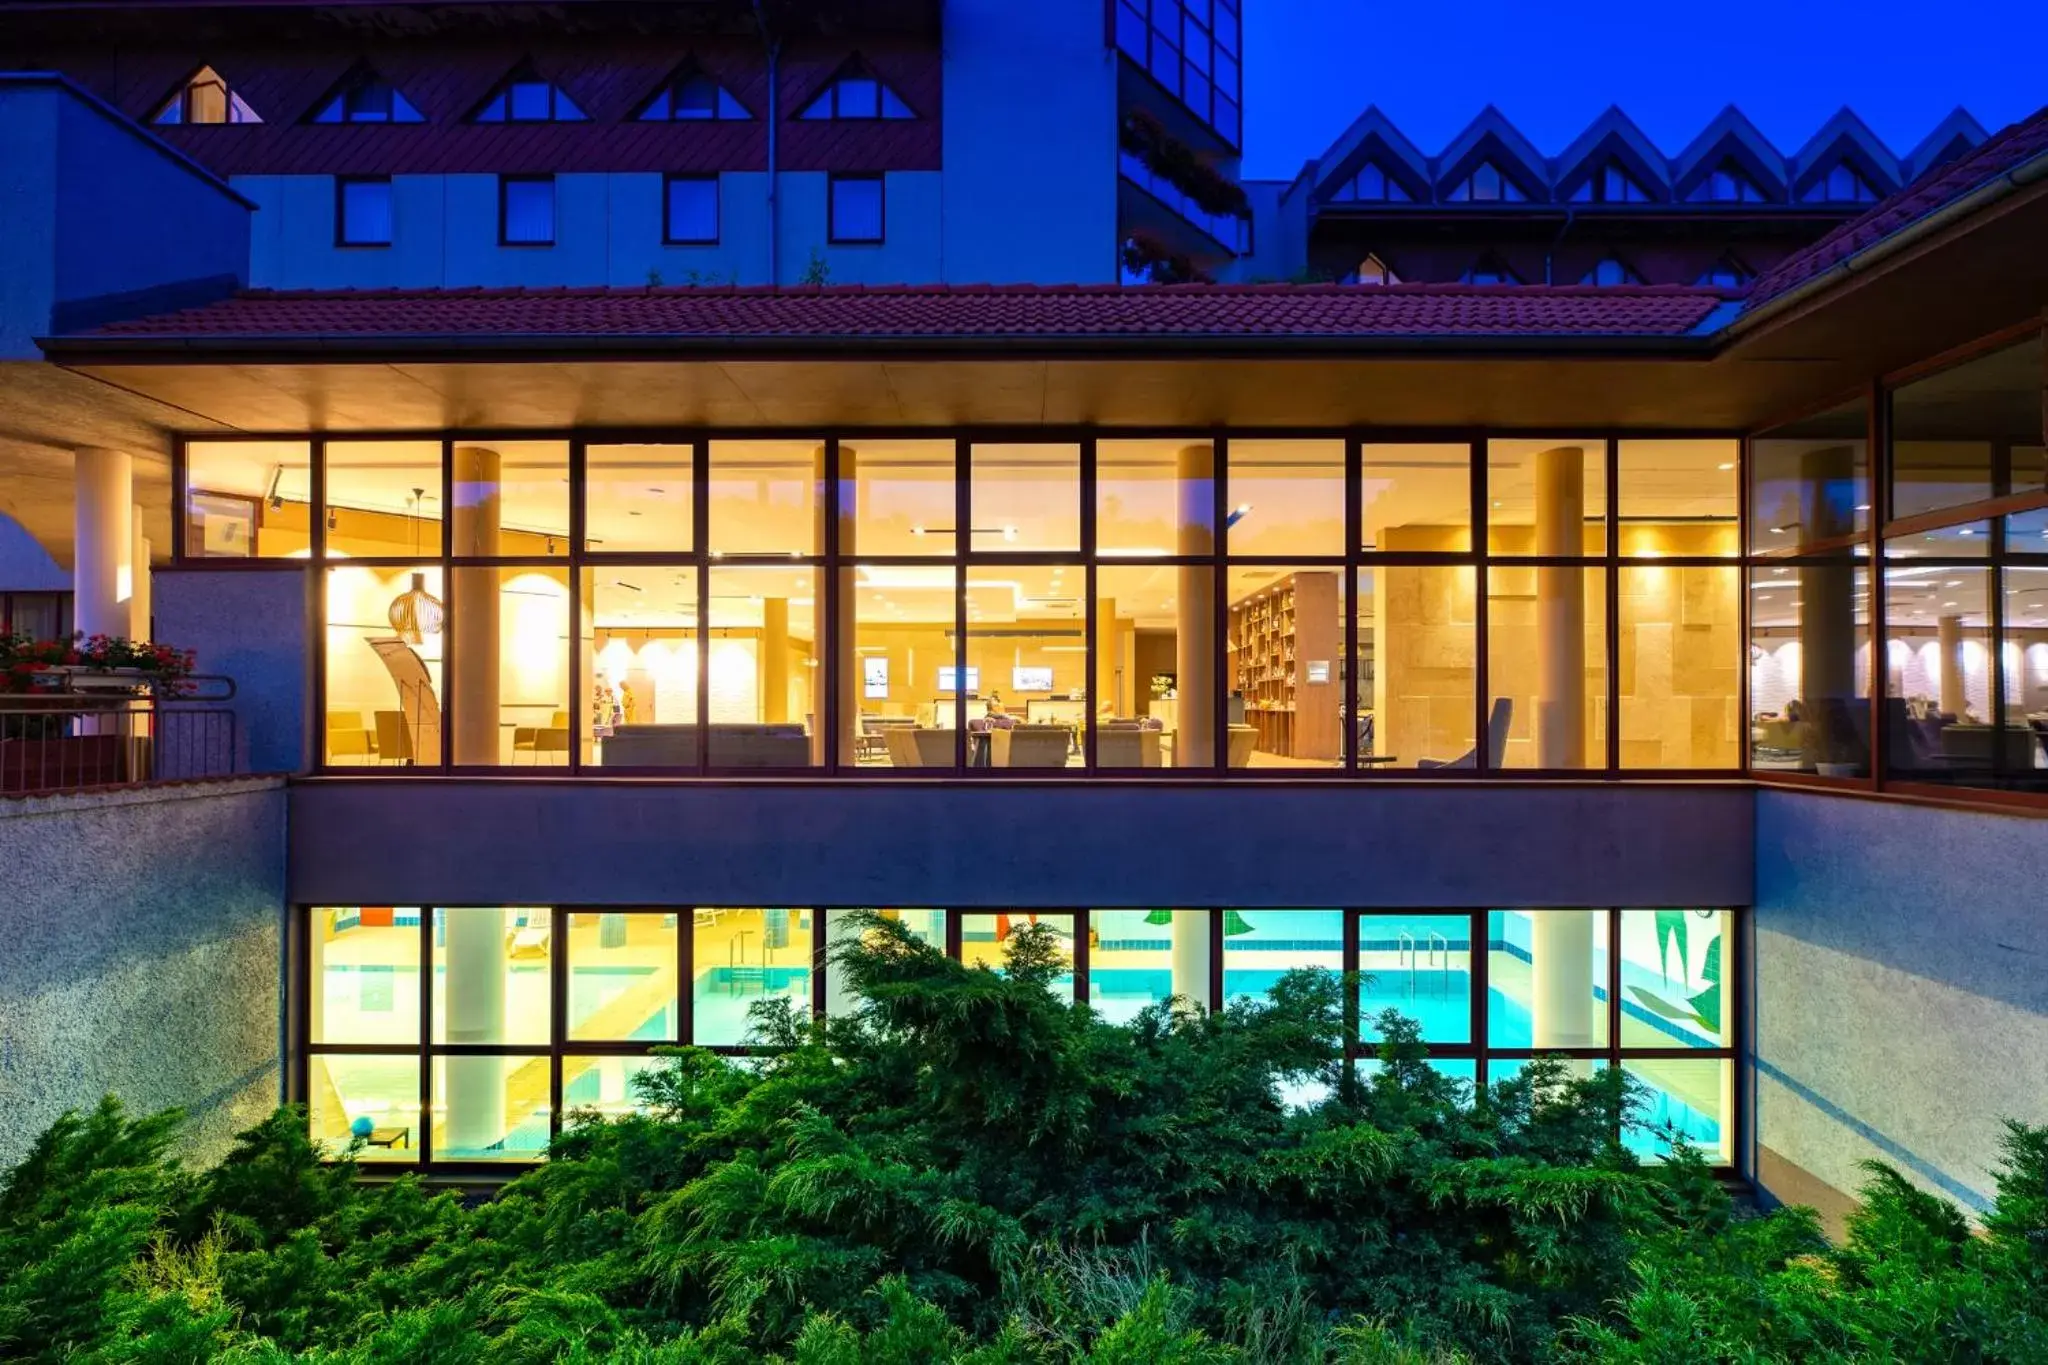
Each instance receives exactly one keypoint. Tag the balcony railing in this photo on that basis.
(70, 740)
(1230, 231)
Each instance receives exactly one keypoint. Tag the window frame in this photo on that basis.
(505, 184)
(342, 185)
(668, 225)
(880, 180)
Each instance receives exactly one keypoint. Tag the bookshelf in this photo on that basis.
(1286, 641)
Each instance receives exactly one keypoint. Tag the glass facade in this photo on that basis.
(1124, 604)
(1191, 47)
(530, 1016)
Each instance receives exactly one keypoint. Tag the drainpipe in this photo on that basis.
(774, 46)
(1550, 256)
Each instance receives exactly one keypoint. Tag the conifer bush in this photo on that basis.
(967, 1169)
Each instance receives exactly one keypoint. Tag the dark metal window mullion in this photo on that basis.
(1219, 640)
(1092, 667)
(426, 1095)
(580, 687)
(963, 548)
(1354, 983)
(1482, 588)
(837, 654)
(1611, 629)
(700, 534)
(1878, 462)
(1352, 704)
(558, 1010)
(1081, 956)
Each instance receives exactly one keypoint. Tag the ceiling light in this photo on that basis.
(1948, 604)
(1967, 531)
(1863, 507)
(1724, 468)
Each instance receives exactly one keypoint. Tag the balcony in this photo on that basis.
(1226, 230)
(80, 736)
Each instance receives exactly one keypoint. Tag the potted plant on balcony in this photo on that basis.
(62, 705)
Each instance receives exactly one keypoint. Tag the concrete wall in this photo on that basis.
(1901, 996)
(515, 842)
(1030, 144)
(143, 957)
(28, 226)
(608, 231)
(254, 626)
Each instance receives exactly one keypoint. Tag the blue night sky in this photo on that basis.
(1312, 65)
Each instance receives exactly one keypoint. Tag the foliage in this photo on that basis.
(26, 661)
(1146, 257)
(817, 270)
(969, 1170)
(1146, 138)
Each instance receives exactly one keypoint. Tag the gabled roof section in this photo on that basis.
(1846, 136)
(1372, 136)
(526, 96)
(855, 91)
(1613, 136)
(1491, 137)
(364, 96)
(2022, 145)
(690, 94)
(1731, 137)
(204, 97)
(1952, 137)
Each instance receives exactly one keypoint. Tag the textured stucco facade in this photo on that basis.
(143, 952)
(1901, 1001)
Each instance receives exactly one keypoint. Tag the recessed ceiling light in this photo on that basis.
(1948, 604)
(1966, 531)
(1724, 468)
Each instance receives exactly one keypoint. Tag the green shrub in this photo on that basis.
(967, 1169)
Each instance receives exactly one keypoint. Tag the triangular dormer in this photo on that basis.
(204, 97)
(1728, 183)
(1373, 271)
(1613, 162)
(1610, 183)
(1610, 271)
(1733, 148)
(1489, 269)
(1341, 174)
(1727, 273)
(527, 97)
(1487, 184)
(856, 92)
(1844, 163)
(1952, 137)
(1491, 162)
(1372, 185)
(691, 96)
(363, 96)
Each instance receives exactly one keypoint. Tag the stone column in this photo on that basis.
(1955, 698)
(140, 602)
(1561, 978)
(473, 1088)
(1190, 937)
(775, 659)
(1560, 610)
(103, 545)
(473, 661)
(1104, 689)
(1195, 658)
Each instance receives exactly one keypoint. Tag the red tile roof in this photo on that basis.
(985, 313)
(2005, 151)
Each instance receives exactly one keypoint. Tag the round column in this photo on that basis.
(1560, 609)
(1195, 661)
(473, 1008)
(103, 540)
(473, 636)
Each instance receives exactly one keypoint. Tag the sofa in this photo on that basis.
(919, 747)
(759, 745)
(1128, 746)
(1030, 746)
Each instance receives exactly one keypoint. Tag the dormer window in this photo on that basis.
(693, 97)
(526, 98)
(366, 97)
(1486, 185)
(1612, 185)
(1610, 272)
(857, 93)
(1488, 269)
(205, 98)
(1728, 184)
(1372, 185)
(1727, 273)
(1374, 271)
(1841, 185)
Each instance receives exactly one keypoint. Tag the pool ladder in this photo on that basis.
(1407, 951)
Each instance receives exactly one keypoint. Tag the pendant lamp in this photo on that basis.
(417, 613)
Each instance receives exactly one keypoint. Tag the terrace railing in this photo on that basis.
(99, 731)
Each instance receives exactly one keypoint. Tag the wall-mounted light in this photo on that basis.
(1237, 514)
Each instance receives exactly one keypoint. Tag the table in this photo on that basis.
(389, 1137)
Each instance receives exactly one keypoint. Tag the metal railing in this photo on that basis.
(76, 737)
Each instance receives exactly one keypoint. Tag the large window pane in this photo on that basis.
(639, 651)
(1674, 990)
(604, 1086)
(1809, 667)
(903, 674)
(1027, 666)
(491, 1108)
(1261, 946)
(1681, 658)
(1026, 497)
(511, 498)
(1546, 976)
(1416, 498)
(637, 498)
(383, 694)
(1419, 966)
(898, 497)
(248, 499)
(1938, 677)
(1546, 497)
(508, 666)
(1417, 664)
(622, 977)
(1142, 704)
(1285, 645)
(1138, 958)
(374, 1098)
(764, 497)
(491, 975)
(1286, 498)
(1154, 498)
(741, 957)
(383, 499)
(1950, 431)
(1679, 497)
(765, 666)
(1691, 1098)
(842, 927)
(364, 985)
(1811, 480)
(2025, 661)
(984, 942)
(1546, 659)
